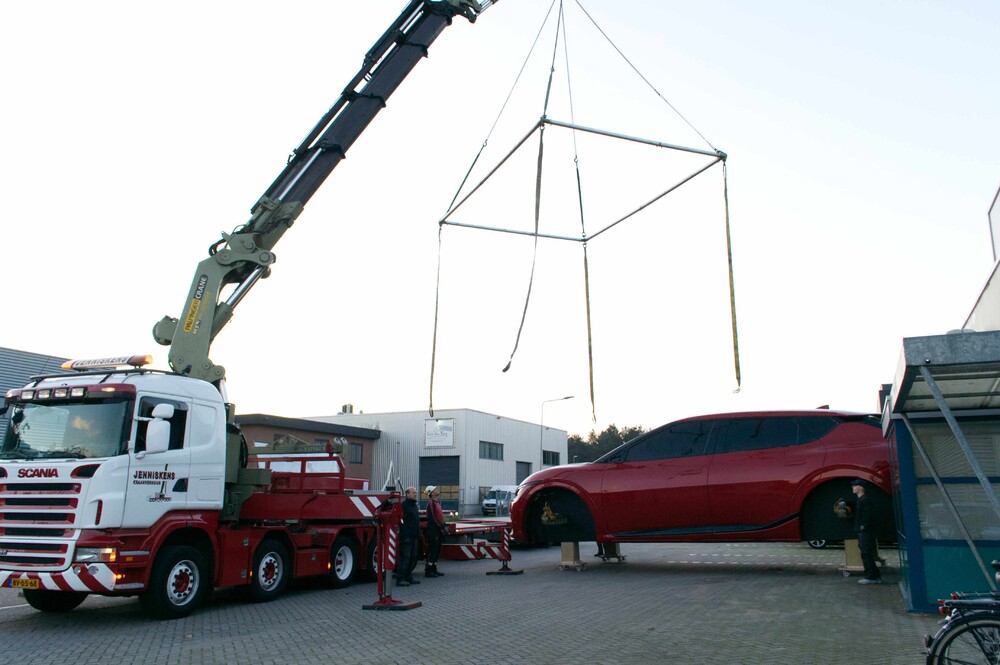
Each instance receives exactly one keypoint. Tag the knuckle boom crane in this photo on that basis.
(130, 481)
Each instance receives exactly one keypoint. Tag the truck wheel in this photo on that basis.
(371, 575)
(54, 601)
(343, 561)
(177, 584)
(270, 572)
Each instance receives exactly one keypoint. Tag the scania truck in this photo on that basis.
(120, 480)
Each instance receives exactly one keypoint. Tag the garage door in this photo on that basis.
(443, 472)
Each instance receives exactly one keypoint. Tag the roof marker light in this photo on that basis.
(27, 394)
(60, 393)
(140, 360)
(77, 392)
(44, 394)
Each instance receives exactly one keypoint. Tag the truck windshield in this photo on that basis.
(74, 430)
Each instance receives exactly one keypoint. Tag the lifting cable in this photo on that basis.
(451, 206)
(583, 229)
(584, 238)
(732, 285)
(538, 191)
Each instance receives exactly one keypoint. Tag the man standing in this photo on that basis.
(863, 524)
(435, 529)
(409, 532)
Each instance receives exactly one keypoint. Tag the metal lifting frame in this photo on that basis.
(717, 155)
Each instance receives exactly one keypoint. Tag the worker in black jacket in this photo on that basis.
(865, 526)
(409, 534)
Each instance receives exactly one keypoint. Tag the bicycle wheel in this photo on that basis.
(972, 640)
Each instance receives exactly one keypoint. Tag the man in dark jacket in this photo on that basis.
(409, 533)
(864, 525)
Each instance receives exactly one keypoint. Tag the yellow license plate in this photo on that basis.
(23, 584)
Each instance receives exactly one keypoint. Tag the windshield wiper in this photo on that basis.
(65, 454)
(16, 454)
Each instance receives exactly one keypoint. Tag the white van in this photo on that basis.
(503, 494)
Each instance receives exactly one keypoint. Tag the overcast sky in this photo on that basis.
(863, 156)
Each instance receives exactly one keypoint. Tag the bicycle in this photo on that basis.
(970, 633)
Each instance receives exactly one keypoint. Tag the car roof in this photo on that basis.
(778, 414)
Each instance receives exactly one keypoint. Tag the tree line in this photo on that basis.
(595, 445)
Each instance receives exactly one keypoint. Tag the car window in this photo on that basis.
(742, 434)
(812, 428)
(177, 423)
(684, 439)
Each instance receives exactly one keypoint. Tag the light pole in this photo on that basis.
(541, 427)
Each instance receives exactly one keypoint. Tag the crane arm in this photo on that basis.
(243, 257)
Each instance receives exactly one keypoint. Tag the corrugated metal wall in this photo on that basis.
(402, 443)
(16, 367)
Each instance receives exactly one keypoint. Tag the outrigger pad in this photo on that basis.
(397, 605)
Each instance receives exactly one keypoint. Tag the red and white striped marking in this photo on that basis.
(366, 505)
(78, 578)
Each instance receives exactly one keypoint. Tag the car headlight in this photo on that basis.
(96, 555)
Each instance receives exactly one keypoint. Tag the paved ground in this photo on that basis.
(726, 603)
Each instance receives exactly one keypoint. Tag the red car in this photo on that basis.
(765, 476)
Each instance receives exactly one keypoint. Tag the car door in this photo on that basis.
(655, 487)
(157, 482)
(758, 464)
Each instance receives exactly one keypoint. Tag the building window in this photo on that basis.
(550, 458)
(357, 453)
(489, 450)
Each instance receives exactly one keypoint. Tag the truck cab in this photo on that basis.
(105, 450)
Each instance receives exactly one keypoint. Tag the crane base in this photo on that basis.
(390, 604)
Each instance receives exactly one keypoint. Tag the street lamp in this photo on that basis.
(541, 426)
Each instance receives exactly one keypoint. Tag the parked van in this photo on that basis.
(503, 494)
(761, 476)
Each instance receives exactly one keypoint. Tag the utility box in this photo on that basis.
(942, 419)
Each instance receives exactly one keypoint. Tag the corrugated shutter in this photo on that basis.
(16, 367)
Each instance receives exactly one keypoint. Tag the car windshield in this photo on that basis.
(75, 430)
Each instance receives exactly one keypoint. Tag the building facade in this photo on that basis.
(462, 451)
(16, 367)
(357, 444)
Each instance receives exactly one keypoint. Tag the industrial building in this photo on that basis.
(463, 451)
(16, 367)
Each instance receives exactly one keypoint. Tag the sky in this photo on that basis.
(862, 159)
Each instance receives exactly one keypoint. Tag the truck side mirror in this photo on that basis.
(158, 429)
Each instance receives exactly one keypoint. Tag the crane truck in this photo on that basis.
(120, 480)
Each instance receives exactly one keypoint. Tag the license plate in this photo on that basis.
(22, 584)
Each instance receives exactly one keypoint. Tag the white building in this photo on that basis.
(462, 451)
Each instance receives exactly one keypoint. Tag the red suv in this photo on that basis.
(765, 476)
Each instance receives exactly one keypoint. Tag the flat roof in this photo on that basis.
(964, 365)
(307, 425)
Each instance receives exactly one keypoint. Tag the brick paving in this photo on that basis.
(683, 603)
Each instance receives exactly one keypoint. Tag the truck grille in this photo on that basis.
(37, 524)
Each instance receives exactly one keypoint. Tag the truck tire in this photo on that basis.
(343, 561)
(270, 572)
(371, 575)
(54, 601)
(178, 583)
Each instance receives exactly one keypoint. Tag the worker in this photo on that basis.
(435, 530)
(864, 525)
(409, 532)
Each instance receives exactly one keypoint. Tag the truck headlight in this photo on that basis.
(96, 555)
